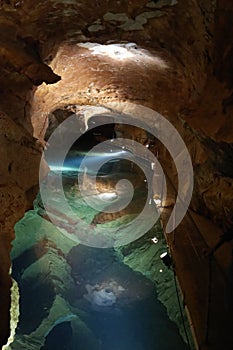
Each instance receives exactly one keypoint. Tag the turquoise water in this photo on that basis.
(137, 320)
(75, 297)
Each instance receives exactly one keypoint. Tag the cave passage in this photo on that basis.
(81, 297)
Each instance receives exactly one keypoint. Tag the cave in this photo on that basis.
(116, 174)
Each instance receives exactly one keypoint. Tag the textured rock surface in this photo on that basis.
(20, 157)
(43, 274)
(189, 80)
(79, 285)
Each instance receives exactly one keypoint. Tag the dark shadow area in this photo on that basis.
(59, 337)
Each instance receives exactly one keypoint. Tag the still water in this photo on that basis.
(80, 297)
(117, 307)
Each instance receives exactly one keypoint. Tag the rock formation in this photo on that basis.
(54, 59)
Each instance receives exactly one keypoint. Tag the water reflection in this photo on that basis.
(117, 308)
(86, 298)
(131, 317)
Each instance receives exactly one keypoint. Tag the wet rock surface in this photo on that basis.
(86, 293)
(190, 82)
(109, 273)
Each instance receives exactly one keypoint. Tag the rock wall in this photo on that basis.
(185, 75)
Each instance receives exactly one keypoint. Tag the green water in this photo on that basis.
(76, 297)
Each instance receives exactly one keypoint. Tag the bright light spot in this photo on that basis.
(147, 146)
(106, 154)
(163, 255)
(155, 240)
(14, 313)
(160, 270)
(125, 51)
(158, 202)
(115, 51)
(107, 196)
(64, 168)
(145, 180)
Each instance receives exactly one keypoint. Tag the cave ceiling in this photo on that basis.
(53, 56)
(188, 35)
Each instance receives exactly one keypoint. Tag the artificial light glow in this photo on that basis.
(92, 157)
(105, 154)
(155, 240)
(167, 260)
(64, 168)
(160, 270)
(107, 195)
(158, 202)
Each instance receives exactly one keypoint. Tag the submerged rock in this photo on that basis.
(100, 297)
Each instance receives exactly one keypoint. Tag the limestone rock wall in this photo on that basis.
(189, 81)
(20, 156)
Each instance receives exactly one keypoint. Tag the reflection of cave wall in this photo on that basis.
(197, 87)
(66, 276)
(59, 337)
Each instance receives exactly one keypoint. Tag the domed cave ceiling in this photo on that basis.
(173, 57)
